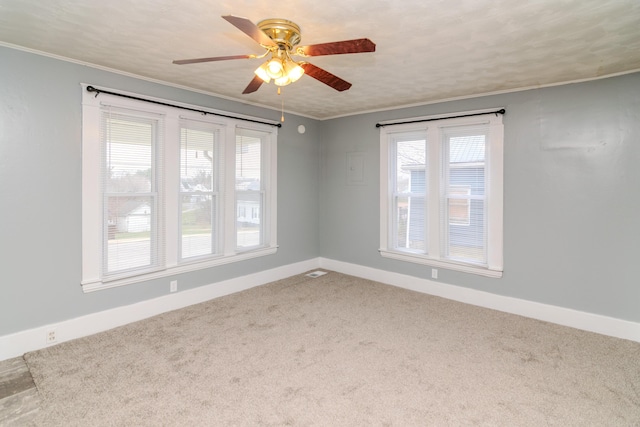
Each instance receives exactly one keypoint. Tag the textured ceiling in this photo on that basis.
(427, 50)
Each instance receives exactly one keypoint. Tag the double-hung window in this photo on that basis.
(250, 189)
(167, 190)
(200, 179)
(441, 192)
(130, 182)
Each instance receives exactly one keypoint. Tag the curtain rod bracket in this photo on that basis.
(93, 89)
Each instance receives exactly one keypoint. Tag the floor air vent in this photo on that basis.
(316, 273)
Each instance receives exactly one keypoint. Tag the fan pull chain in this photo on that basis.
(281, 106)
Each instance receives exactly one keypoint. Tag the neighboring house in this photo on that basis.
(137, 220)
(248, 212)
(466, 178)
(249, 201)
(132, 216)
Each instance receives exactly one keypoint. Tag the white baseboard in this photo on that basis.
(17, 344)
(559, 315)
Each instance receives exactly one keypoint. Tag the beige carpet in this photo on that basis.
(338, 351)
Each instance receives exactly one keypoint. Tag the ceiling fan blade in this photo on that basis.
(214, 58)
(250, 29)
(253, 86)
(325, 77)
(337, 48)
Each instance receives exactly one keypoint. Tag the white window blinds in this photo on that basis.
(131, 181)
(250, 189)
(410, 192)
(464, 210)
(200, 186)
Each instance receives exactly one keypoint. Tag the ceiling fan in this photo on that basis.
(280, 38)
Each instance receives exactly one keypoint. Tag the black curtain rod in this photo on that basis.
(99, 91)
(501, 111)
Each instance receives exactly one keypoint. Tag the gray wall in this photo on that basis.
(40, 189)
(571, 194)
(571, 191)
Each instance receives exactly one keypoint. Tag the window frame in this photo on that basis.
(431, 127)
(156, 238)
(92, 206)
(187, 124)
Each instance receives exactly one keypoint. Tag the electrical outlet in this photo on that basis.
(434, 273)
(51, 336)
(173, 286)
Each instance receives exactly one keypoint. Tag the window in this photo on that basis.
(249, 189)
(200, 177)
(441, 193)
(131, 156)
(167, 191)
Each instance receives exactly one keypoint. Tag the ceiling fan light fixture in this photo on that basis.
(261, 72)
(291, 73)
(282, 71)
(294, 71)
(275, 68)
(282, 81)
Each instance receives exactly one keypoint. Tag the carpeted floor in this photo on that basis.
(338, 351)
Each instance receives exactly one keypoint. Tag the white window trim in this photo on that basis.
(92, 279)
(494, 194)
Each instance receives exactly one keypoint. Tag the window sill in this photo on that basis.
(97, 285)
(425, 260)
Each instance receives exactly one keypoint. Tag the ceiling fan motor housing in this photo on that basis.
(281, 31)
